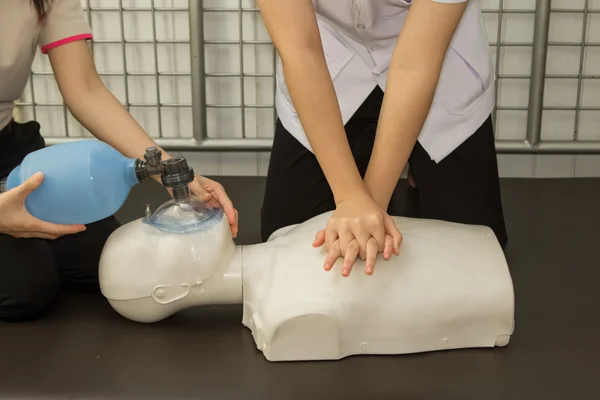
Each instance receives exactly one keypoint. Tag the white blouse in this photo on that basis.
(359, 38)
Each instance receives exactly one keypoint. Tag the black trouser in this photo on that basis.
(464, 187)
(32, 271)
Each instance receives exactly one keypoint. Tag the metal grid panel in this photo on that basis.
(498, 14)
(510, 33)
(572, 101)
(240, 65)
(227, 86)
(141, 51)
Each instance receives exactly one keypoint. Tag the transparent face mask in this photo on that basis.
(183, 216)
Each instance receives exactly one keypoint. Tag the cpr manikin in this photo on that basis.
(449, 288)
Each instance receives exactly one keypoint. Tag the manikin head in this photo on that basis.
(172, 259)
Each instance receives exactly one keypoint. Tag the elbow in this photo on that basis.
(91, 82)
(81, 88)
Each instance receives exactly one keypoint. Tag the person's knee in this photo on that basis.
(26, 298)
(30, 302)
(78, 256)
(29, 281)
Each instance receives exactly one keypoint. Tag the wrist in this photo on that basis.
(165, 155)
(378, 193)
(381, 199)
(343, 194)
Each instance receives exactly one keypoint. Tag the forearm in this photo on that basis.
(293, 27)
(92, 104)
(406, 103)
(104, 116)
(412, 80)
(314, 98)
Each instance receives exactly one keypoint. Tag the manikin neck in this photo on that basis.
(227, 288)
(232, 278)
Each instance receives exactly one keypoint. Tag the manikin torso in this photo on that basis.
(449, 288)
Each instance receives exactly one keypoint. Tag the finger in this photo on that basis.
(332, 255)
(319, 239)
(392, 229)
(235, 227)
(208, 199)
(388, 248)
(225, 202)
(362, 253)
(376, 229)
(212, 204)
(331, 234)
(372, 252)
(55, 229)
(30, 184)
(346, 236)
(362, 238)
(31, 235)
(350, 257)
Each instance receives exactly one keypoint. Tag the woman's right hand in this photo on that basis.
(16, 221)
(358, 227)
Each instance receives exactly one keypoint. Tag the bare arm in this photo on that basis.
(293, 28)
(358, 226)
(412, 79)
(92, 104)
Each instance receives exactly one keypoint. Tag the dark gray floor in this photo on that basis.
(84, 350)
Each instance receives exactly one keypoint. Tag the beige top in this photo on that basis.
(21, 33)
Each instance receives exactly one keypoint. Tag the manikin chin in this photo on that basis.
(449, 288)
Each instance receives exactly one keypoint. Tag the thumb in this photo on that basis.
(32, 183)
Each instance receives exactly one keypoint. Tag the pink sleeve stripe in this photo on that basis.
(50, 46)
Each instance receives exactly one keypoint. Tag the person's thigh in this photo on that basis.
(29, 278)
(79, 255)
(464, 187)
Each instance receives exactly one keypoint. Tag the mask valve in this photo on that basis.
(175, 172)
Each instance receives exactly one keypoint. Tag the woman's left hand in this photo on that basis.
(334, 253)
(214, 194)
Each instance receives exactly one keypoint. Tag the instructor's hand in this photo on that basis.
(359, 227)
(17, 222)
